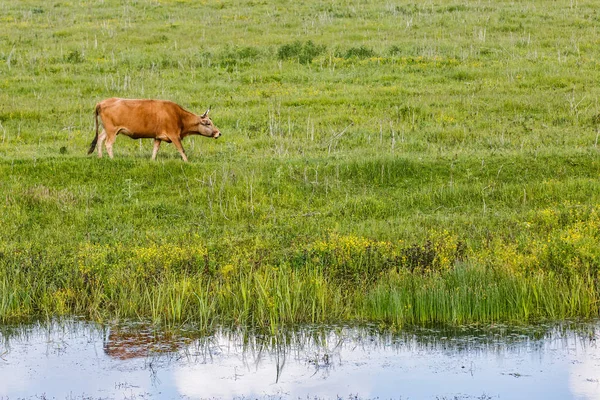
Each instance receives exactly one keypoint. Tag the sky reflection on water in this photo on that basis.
(82, 360)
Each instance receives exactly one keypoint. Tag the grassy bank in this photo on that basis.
(391, 162)
(551, 274)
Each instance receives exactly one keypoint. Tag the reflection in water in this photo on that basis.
(70, 359)
(135, 341)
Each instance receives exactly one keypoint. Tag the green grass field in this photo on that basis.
(393, 162)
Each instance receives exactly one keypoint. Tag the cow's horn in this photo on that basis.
(206, 113)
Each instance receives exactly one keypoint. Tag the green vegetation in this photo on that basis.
(380, 161)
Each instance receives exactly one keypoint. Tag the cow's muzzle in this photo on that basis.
(217, 135)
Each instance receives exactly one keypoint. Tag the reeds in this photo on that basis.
(469, 294)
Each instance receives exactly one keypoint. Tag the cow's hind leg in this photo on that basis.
(101, 139)
(110, 139)
(155, 149)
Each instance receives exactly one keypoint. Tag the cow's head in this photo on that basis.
(206, 126)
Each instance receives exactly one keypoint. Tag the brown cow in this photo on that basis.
(154, 119)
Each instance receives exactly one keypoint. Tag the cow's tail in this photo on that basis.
(93, 145)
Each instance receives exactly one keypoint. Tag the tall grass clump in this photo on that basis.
(303, 52)
(359, 52)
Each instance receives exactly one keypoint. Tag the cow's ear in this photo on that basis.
(206, 113)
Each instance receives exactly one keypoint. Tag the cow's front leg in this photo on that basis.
(177, 143)
(155, 149)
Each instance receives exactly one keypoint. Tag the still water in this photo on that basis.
(80, 360)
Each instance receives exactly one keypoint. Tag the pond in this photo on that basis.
(81, 360)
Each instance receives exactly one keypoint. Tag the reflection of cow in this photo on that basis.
(126, 343)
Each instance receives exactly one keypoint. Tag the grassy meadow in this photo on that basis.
(381, 161)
